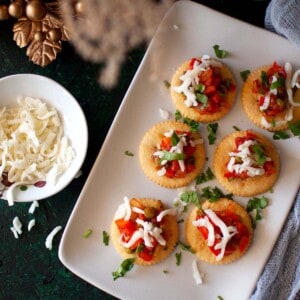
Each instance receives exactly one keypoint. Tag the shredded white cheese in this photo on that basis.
(14, 231)
(124, 210)
(33, 206)
(32, 145)
(170, 211)
(31, 224)
(248, 162)
(196, 273)
(49, 239)
(178, 148)
(17, 225)
(291, 82)
(227, 231)
(164, 114)
(190, 79)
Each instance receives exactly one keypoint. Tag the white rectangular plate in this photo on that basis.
(188, 30)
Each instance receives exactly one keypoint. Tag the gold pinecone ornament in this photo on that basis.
(38, 27)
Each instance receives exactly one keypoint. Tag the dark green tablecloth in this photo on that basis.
(27, 269)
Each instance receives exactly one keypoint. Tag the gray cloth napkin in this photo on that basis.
(280, 278)
(283, 17)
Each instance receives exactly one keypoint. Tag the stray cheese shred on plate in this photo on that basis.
(32, 145)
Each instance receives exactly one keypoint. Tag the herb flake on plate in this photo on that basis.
(124, 267)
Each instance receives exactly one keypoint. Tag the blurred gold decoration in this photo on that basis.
(104, 31)
(38, 27)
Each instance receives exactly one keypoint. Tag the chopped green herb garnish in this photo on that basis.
(166, 83)
(165, 271)
(280, 82)
(125, 266)
(87, 233)
(260, 155)
(280, 135)
(219, 52)
(172, 156)
(202, 98)
(178, 115)
(194, 125)
(235, 128)
(220, 298)
(295, 128)
(205, 176)
(185, 247)
(273, 123)
(105, 238)
(174, 139)
(213, 194)
(257, 204)
(178, 258)
(245, 74)
(128, 153)
(190, 197)
(23, 188)
(212, 130)
(264, 78)
(200, 88)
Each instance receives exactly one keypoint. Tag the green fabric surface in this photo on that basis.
(27, 269)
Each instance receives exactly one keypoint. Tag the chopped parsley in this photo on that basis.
(213, 194)
(105, 238)
(87, 233)
(172, 156)
(125, 267)
(166, 83)
(212, 130)
(264, 78)
(185, 247)
(128, 153)
(190, 197)
(295, 128)
(260, 155)
(280, 135)
(245, 74)
(23, 188)
(280, 82)
(205, 176)
(257, 204)
(235, 128)
(194, 125)
(178, 258)
(219, 52)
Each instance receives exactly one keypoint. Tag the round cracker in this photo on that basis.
(191, 112)
(199, 244)
(250, 186)
(149, 144)
(170, 233)
(251, 107)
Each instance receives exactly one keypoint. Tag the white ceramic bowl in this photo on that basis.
(72, 117)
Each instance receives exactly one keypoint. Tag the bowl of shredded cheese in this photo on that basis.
(43, 138)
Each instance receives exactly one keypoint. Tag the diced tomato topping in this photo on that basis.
(243, 243)
(145, 254)
(276, 69)
(165, 143)
(192, 62)
(269, 167)
(126, 227)
(238, 241)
